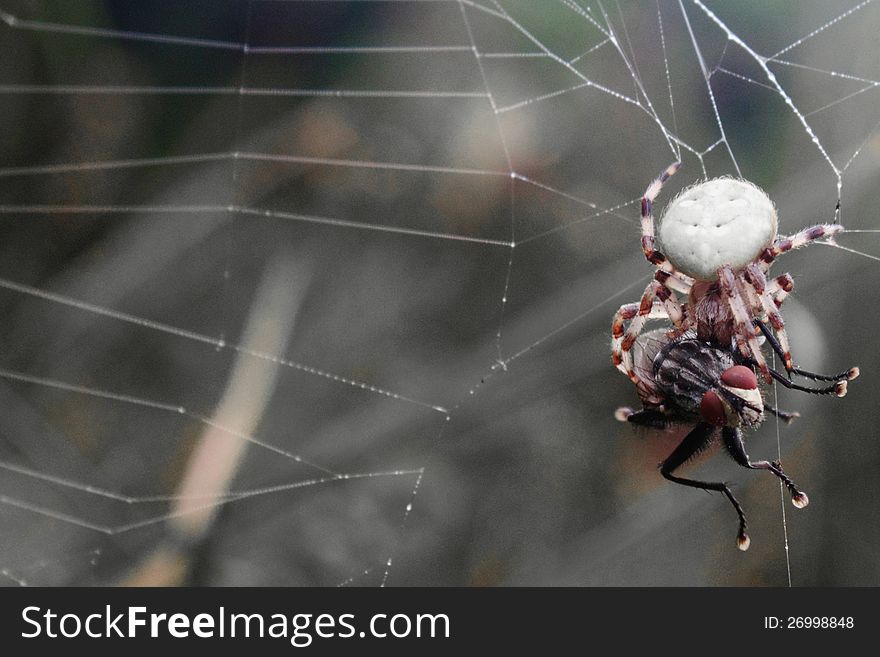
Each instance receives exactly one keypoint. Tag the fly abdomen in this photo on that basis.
(686, 369)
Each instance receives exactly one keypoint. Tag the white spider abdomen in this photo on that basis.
(723, 221)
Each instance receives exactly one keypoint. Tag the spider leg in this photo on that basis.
(674, 309)
(653, 256)
(733, 441)
(621, 354)
(779, 288)
(755, 278)
(638, 314)
(674, 279)
(627, 313)
(695, 442)
(744, 333)
(848, 375)
(782, 244)
(671, 307)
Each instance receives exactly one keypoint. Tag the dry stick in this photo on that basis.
(217, 455)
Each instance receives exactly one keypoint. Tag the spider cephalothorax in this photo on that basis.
(719, 239)
(714, 391)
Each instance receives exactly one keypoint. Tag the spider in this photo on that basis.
(691, 382)
(719, 238)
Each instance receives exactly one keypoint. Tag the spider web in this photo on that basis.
(319, 292)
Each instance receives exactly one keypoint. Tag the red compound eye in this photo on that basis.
(712, 409)
(741, 377)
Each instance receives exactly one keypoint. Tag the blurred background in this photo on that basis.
(319, 293)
